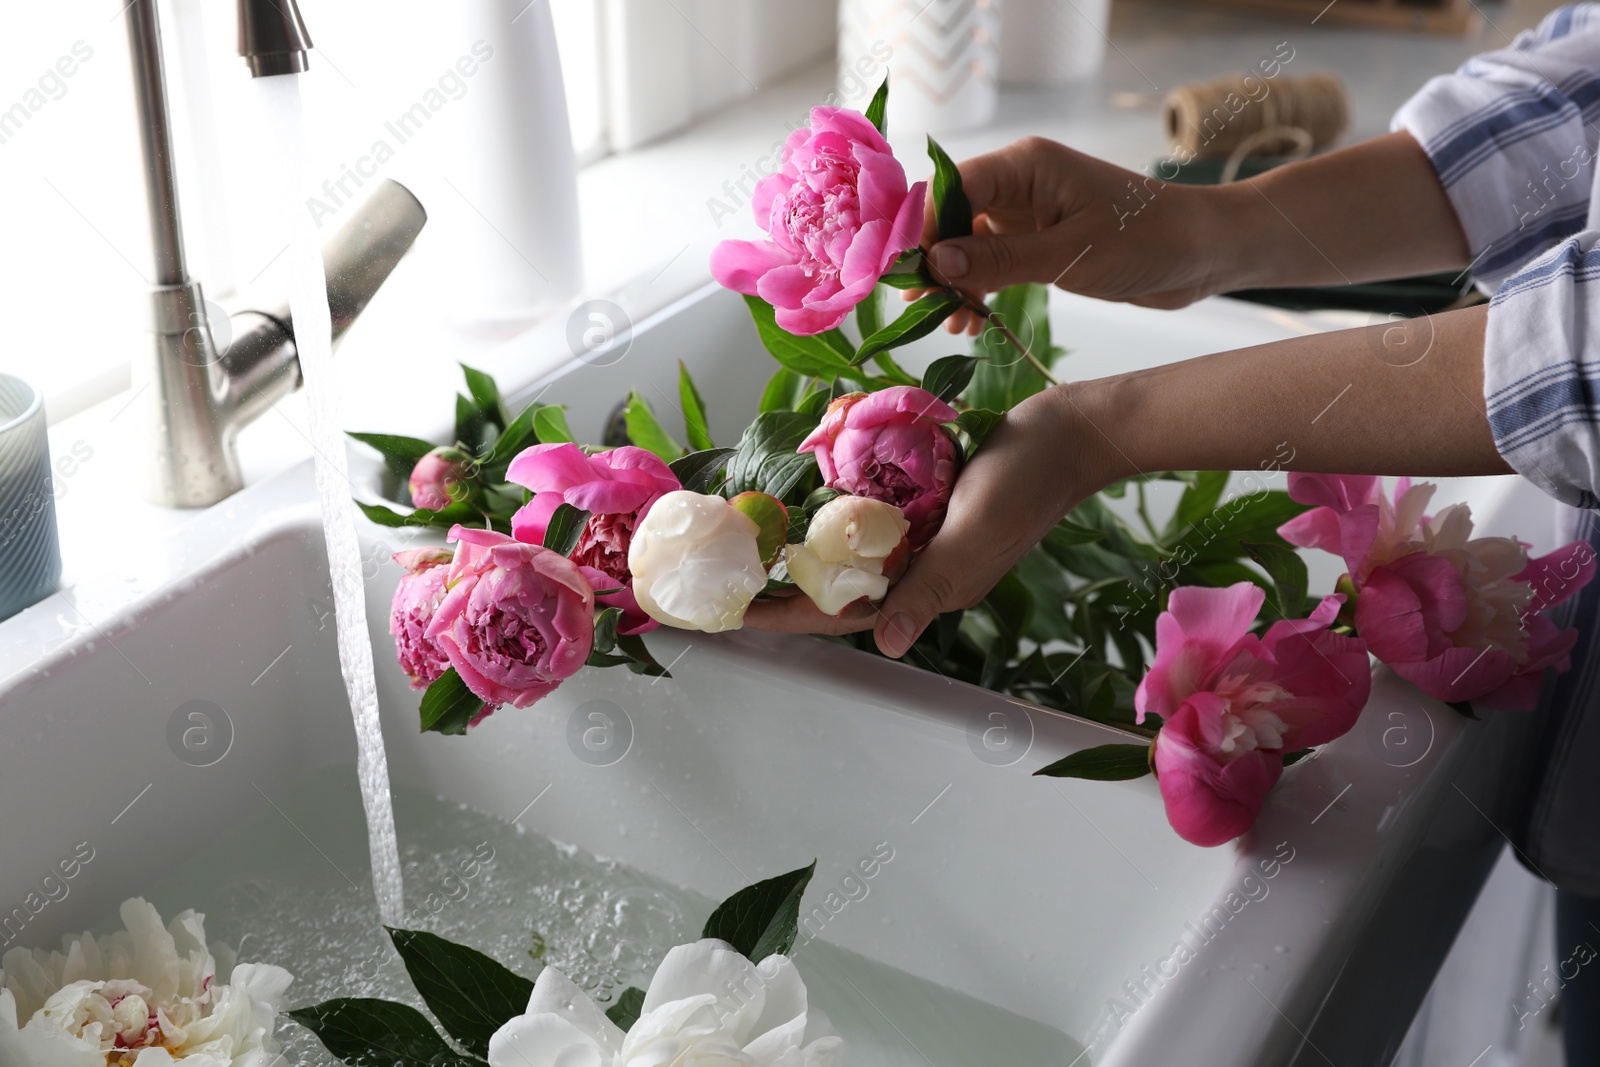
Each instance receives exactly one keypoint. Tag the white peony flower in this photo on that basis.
(147, 996)
(707, 1006)
(854, 548)
(695, 562)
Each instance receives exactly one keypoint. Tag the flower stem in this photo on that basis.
(985, 312)
(980, 308)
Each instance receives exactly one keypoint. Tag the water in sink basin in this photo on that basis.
(291, 886)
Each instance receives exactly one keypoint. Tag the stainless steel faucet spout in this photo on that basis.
(198, 399)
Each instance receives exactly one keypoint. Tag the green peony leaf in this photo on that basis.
(366, 1032)
(448, 705)
(869, 313)
(950, 201)
(645, 430)
(485, 394)
(605, 630)
(640, 659)
(946, 377)
(1005, 378)
(1104, 763)
(446, 517)
(766, 460)
(696, 428)
(812, 357)
(550, 426)
(625, 1012)
(919, 319)
(397, 447)
(474, 431)
(977, 424)
(1288, 573)
(1199, 499)
(783, 391)
(566, 524)
(470, 994)
(1245, 517)
(879, 104)
(518, 434)
(698, 472)
(763, 918)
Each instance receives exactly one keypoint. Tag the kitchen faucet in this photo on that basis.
(200, 398)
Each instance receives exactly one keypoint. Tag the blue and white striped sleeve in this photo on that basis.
(1512, 136)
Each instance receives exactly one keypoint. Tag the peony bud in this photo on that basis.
(440, 478)
(855, 547)
(416, 599)
(695, 562)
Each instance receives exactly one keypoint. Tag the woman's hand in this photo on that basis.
(1045, 213)
(1043, 459)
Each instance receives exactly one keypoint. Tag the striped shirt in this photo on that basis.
(1513, 137)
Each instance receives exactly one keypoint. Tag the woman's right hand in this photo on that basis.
(1043, 212)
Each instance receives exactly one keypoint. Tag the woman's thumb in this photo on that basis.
(987, 262)
(921, 594)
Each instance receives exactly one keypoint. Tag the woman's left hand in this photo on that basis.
(1042, 459)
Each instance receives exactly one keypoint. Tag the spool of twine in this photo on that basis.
(1241, 114)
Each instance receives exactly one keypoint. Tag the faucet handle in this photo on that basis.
(273, 37)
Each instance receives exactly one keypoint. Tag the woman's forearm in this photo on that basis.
(1397, 398)
(1371, 211)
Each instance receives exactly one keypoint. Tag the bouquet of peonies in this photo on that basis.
(732, 997)
(565, 554)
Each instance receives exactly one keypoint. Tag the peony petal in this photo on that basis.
(859, 271)
(544, 1040)
(880, 185)
(906, 231)
(805, 322)
(1459, 673)
(886, 405)
(529, 522)
(1341, 492)
(786, 288)
(1318, 528)
(556, 994)
(740, 265)
(609, 496)
(1209, 803)
(1195, 637)
(550, 468)
(1330, 678)
(1408, 608)
(711, 967)
(1559, 575)
(847, 123)
(786, 998)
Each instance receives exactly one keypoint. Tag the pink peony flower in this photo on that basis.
(890, 446)
(516, 619)
(1455, 615)
(839, 214)
(617, 488)
(1235, 703)
(416, 599)
(439, 478)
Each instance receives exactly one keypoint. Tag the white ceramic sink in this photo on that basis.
(1054, 900)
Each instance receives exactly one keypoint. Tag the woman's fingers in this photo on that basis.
(798, 615)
